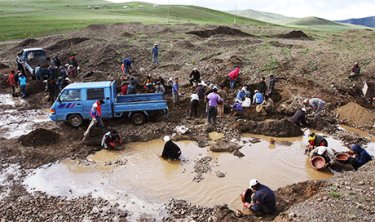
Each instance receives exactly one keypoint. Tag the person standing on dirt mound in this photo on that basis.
(12, 82)
(171, 151)
(213, 101)
(317, 106)
(195, 77)
(176, 92)
(111, 140)
(263, 199)
(271, 84)
(262, 86)
(361, 156)
(233, 75)
(22, 80)
(127, 62)
(315, 141)
(96, 117)
(155, 54)
(356, 70)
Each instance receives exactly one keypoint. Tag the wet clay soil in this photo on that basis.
(138, 173)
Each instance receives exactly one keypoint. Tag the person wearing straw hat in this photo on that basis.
(171, 150)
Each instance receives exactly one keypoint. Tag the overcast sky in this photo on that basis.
(328, 9)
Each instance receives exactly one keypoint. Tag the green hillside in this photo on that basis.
(30, 18)
(312, 21)
(263, 16)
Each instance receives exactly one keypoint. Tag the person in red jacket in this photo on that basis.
(124, 88)
(12, 82)
(96, 116)
(233, 75)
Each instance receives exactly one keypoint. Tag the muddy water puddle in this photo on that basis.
(15, 123)
(141, 181)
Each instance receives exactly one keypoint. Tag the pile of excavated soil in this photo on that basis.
(294, 35)
(35, 87)
(278, 128)
(355, 114)
(39, 137)
(349, 196)
(27, 42)
(221, 30)
(3, 66)
(66, 43)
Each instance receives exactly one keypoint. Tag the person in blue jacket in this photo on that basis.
(361, 156)
(127, 65)
(241, 95)
(258, 98)
(263, 200)
(155, 54)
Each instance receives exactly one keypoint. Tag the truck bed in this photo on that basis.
(140, 102)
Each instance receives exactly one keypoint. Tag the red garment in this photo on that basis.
(12, 79)
(123, 68)
(312, 143)
(124, 89)
(234, 74)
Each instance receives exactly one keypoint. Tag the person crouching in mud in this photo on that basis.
(258, 198)
(111, 140)
(171, 151)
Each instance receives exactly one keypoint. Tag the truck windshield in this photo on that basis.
(70, 95)
(34, 54)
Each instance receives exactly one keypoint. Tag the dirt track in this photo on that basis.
(313, 67)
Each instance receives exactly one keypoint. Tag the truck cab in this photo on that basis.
(32, 57)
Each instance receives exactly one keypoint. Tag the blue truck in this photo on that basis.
(75, 101)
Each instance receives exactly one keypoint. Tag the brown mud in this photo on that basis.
(300, 67)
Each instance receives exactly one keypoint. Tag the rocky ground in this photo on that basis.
(316, 65)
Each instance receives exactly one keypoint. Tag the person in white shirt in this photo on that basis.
(194, 102)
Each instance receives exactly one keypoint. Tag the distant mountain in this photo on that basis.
(312, 21)
(263, 16)
(367, 21)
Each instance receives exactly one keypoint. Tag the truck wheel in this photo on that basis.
(75, 120)
(138, 118)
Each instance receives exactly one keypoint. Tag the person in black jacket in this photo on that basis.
(195, 76)
(299, 117)
(171, 150)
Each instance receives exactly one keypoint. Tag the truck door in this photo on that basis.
(70, 102)
(95, 94)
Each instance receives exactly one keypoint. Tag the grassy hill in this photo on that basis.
(30, 18)
(312, 21)
(263, 16)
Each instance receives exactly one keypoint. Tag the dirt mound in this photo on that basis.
(223, 30)
(3, 66)
(278, 128)
(355, 114)
(67, 43)
(35, 87)
(39, 137)
(27, 42)
(294, 35)
(126, 34)
(296, 193)
(96, 27)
